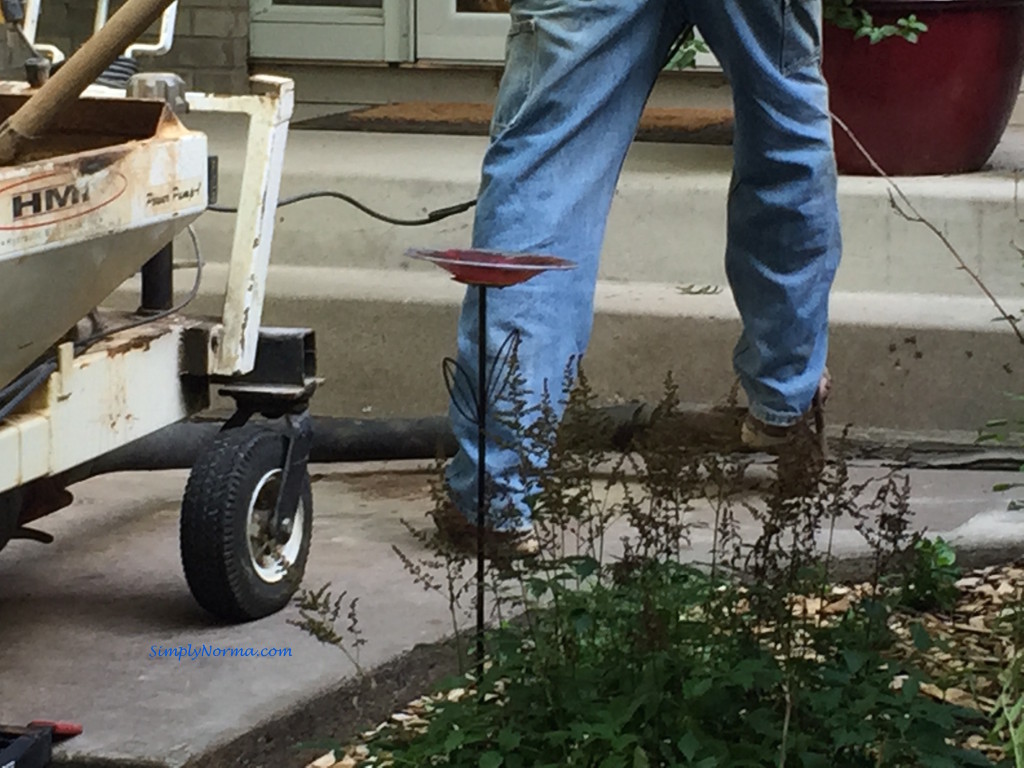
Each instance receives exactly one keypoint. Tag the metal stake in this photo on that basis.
(481, 476)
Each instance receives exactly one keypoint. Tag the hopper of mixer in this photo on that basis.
(110, 184)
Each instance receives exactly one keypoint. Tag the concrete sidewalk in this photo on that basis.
(78, 620)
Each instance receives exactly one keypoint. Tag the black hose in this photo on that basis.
(335, 440)
(19, 383)
(341, 440)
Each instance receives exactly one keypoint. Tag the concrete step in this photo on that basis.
(667, 223)
(900, 362)
(915, 345)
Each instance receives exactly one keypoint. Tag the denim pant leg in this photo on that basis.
(577, 76)
(784, 236)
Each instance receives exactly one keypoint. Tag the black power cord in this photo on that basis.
(432, 217)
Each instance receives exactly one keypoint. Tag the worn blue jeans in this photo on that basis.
(577, 76)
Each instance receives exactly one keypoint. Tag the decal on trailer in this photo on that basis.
(56, 198)
(177, 194)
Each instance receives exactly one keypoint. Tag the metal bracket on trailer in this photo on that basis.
(280, 385)
(293, 474)
(267, 371)
(269, 108)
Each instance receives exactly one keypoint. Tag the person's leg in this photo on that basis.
(577, 77)
(784, 236)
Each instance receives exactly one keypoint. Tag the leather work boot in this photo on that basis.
(801, 447)
(498, 545)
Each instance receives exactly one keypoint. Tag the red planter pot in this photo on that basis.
(939, 106)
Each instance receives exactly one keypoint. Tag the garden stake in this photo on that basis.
(483, 270)
(481, 475)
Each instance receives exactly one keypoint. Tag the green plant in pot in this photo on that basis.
(845, 15)
(927, 86)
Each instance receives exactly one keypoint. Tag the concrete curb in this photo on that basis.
(908, 362)
(341, 714)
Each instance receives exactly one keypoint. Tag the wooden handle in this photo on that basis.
(78, 73)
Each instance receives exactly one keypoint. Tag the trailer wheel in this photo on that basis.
(234, 568)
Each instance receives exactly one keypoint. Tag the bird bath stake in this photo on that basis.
(483, 270)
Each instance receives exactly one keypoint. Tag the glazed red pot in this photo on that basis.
(938, 106)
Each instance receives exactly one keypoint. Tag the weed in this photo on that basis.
(319, 616)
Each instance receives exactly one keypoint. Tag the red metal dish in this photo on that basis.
(493, 269)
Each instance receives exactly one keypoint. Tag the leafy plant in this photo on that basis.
(931, 583)
(1008, 433)
(846, 14)
(1009, 712)
(629, 673)
(684, 53)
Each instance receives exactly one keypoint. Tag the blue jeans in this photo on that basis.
(577, 76)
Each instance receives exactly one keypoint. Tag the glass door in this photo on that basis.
(332, 30)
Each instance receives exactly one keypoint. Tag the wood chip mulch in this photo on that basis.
(974, 645)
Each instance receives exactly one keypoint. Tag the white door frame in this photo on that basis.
(322, 33)
(443, 34)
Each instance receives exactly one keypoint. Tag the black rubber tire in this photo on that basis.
(214, 539)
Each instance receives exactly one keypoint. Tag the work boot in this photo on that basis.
(498, 545)
(801, 448)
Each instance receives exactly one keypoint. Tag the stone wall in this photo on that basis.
(211, 45)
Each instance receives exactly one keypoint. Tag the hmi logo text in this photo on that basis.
(48, 200)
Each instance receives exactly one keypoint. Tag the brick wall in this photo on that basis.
(211, 44)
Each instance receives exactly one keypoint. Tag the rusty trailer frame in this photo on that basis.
(159, 372)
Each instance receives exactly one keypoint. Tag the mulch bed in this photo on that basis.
(973, 646)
